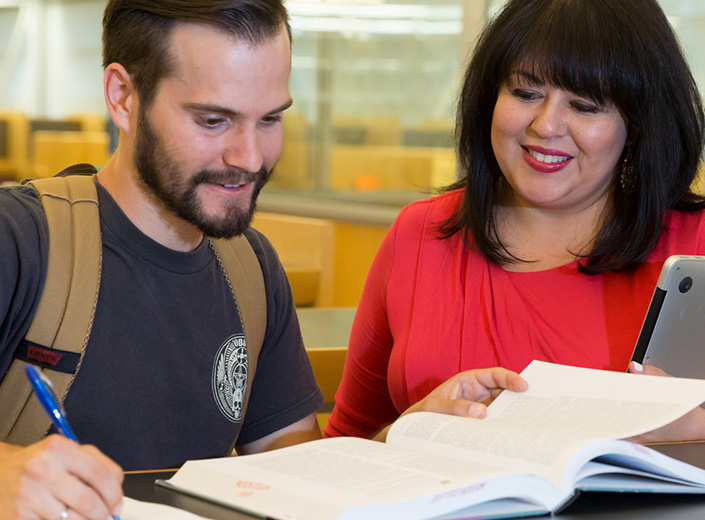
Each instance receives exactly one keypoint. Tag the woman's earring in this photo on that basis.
(627, 179)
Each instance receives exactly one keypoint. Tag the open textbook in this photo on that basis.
(531, 455)
(138, 510)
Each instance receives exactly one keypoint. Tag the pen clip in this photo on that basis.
(44, 390)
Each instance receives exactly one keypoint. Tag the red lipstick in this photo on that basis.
(557, 160)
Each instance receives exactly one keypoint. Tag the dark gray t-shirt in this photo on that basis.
(146, 393)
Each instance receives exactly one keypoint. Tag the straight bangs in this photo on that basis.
(571, 45)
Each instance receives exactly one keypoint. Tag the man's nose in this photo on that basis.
(243, 151)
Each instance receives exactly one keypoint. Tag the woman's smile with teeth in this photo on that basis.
(546, 158)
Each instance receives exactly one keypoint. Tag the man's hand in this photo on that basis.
(690, 427)
(467, 394)
(56, 475)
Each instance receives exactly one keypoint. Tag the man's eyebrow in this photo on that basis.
(217, 109)
(282, 107)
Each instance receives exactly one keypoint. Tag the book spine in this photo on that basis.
(565, 503)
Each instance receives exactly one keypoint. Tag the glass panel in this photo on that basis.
(374, 83)
(374, 88)
(688, 19)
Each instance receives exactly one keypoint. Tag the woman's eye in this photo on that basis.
(585, 108)
(526, 95)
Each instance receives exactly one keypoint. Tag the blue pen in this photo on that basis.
(46, 395)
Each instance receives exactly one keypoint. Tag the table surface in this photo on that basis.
(323, 327)
(612, 506)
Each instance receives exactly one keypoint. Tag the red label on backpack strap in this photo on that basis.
(55, 359)
(43, 355)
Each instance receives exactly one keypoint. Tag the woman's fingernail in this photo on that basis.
(475, 410)
(637, 366)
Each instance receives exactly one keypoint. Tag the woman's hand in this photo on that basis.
(690, 427)
(466, 394)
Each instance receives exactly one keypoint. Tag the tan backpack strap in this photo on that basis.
(61, 326)
(244, 275)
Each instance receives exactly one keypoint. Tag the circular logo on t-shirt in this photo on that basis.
(230, 377)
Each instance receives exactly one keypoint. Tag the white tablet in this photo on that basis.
(672, 336)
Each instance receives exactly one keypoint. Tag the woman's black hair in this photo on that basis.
(622, 52)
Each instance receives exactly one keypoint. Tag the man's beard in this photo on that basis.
(178, 193)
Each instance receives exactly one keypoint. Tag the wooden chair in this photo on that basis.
(327, 364)
(55, 150)
(306, 248)
(326, 332)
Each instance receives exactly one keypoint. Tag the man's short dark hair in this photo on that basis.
(137, 33)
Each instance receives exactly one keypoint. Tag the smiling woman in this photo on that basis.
(558, 152)
(594, 97)
(579, 133)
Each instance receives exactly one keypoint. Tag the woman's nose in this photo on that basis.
(549, 121)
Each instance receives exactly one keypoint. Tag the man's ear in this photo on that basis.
(120, 96)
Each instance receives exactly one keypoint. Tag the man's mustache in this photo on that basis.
(230, 176)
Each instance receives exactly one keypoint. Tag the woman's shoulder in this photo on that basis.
(683, 232)
(433, 209)
(684, 220)
(419, 222)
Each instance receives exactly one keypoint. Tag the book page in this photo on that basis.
(138, 510)
(355, 478)
(564, 410)
(600, 403)
(434, 464)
